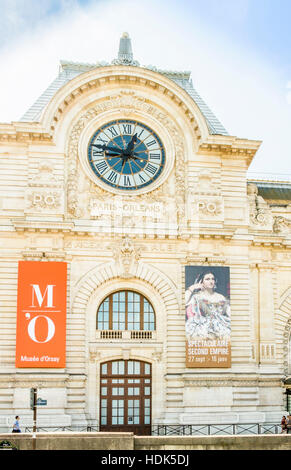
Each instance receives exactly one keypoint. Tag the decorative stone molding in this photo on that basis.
(31, 255)
(126, 353)
(232, 381)
(268, 351)
(157, 355)
(260, 214)
(22, 225)
(38, 380)
(286, 341)
(206, 184)
(42, 200)
(94, 354)
(101, 274)
(282, 225)
(139, 77)
(14, 133)
(283, 329)
(55, 255)
(230, 147)
(196, 260)
(45, 176)
(208, 208)
(44, 193)
(126, 254)
(215, 260)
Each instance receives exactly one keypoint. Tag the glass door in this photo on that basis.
(125, 397)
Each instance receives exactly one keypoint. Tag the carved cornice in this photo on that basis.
(216, 234)
(230, 147)
(37, 380)
(232, 381)
(121, 76)
(22, 225)
(13, 133)
(33, 255)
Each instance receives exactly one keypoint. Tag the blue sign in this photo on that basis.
(41, 402)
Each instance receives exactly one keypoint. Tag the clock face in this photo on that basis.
(126, 154)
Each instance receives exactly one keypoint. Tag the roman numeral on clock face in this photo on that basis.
(152, 142)
(126, 128)
(142, 180)
(101, 166)
(113, 131)
(155, 156)
(126, 180)
(102, 140)
(112, 176)
(151, 168)
(97, 153)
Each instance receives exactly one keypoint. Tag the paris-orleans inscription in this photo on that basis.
(118, 207)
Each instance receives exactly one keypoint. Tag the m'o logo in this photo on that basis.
(48, 293)
(32, 325)
(37, 295)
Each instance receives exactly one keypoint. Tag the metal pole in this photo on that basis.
(34, 419)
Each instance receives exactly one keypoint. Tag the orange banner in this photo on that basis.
(41, 314)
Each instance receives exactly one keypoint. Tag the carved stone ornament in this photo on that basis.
(157, 355)
(94, 354)
(286, 346)
(47, 200)
(209, 207)
(123, 102)
(40, 200)
(126, 256)
(259, 211)
(206, 184)
(45, 176)
(281, 225)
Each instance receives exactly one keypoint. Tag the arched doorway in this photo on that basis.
(125, 396)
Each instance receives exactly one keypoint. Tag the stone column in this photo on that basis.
(266, 331)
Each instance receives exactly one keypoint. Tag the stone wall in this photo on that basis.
(129, 442)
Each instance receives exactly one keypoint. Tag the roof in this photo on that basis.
(70, 70)
(277, 191)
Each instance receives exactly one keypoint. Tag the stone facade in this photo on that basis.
(201, 211)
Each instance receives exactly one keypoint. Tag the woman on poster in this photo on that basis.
(207, 311)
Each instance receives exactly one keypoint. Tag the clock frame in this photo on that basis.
(126, 155)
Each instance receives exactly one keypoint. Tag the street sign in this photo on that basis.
(41, 402)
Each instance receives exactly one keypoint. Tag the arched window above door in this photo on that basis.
(126, 310)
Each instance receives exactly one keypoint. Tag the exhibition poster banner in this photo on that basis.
(208, 318)
(41, 314)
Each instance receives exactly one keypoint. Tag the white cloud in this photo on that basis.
(241, 89)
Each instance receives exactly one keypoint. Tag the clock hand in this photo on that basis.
(130, 146)
(105, 147)
(123, 163)
(137, 157)
(108, 154)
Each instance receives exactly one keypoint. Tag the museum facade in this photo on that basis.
(144, 278)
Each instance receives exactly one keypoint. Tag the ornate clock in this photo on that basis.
(126, 154)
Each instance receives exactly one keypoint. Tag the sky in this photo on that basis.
(238, 53)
